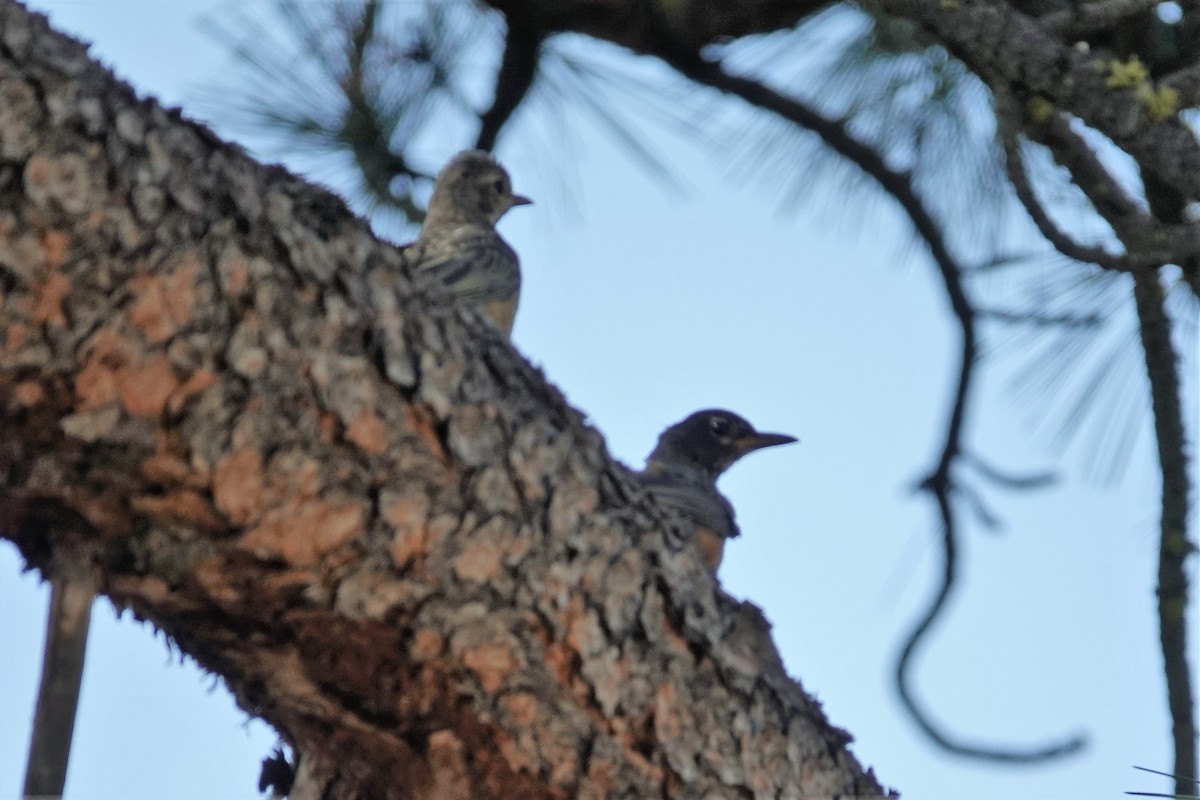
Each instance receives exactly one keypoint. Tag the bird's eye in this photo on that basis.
(498, 186)
(719, 425)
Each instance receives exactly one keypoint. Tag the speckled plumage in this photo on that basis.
(459, 249)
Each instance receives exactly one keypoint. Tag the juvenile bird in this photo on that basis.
(682, 473)
(458, 247)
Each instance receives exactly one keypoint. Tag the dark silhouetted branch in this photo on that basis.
(1174, 546)
(518, 68)
(898, 185)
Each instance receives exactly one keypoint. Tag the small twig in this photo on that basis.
(1038, 480)
(1040, 320)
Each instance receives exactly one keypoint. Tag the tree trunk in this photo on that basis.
(382, 527)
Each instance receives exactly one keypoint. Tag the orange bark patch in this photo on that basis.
(407, 517)
(166, 468)
(301, 533)
(491, 663)
(666, 717)
(408, 545)
(369, 432)
(15, 338)
(98, 382)
(518, 759)
(238, 485)
(28, 393)
(48, 296)
(560, 660)
(522, 706)
(327, 423)
(235, 272)
(448, 768)
(426, 644)
(196, 383)
(145, 387)
(421, 422)
(184, 507)
(165, 303)
(479, 561)
(583, 631)
(214, 581)
(56, 246)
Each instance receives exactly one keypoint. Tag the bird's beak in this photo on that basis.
(757, 441)
(521, 200)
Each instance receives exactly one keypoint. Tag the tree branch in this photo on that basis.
(1165, 393)
(392, 538)
(938, 483)
(1149, 240)
(1019, 177)
(1174, 546)
(1010, 49)
(518, 68)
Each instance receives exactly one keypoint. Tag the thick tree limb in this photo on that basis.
(384, 529)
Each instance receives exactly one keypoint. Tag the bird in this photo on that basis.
(681, 473)
(458, 247)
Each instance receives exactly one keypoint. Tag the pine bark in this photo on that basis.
(226, 408)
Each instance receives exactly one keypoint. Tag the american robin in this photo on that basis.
(458, 247)
(681, 473)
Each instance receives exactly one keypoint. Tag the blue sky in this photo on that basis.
(644, 305)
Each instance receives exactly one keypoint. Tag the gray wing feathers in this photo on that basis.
(703, 507)
(474, 264)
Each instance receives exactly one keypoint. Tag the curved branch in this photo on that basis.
(1148, 241)
(1008, 127)
(938, 483)
(941, 489)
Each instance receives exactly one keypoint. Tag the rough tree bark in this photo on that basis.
(392, 538)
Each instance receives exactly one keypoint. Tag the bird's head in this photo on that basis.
(472, 187)
(710, 440)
